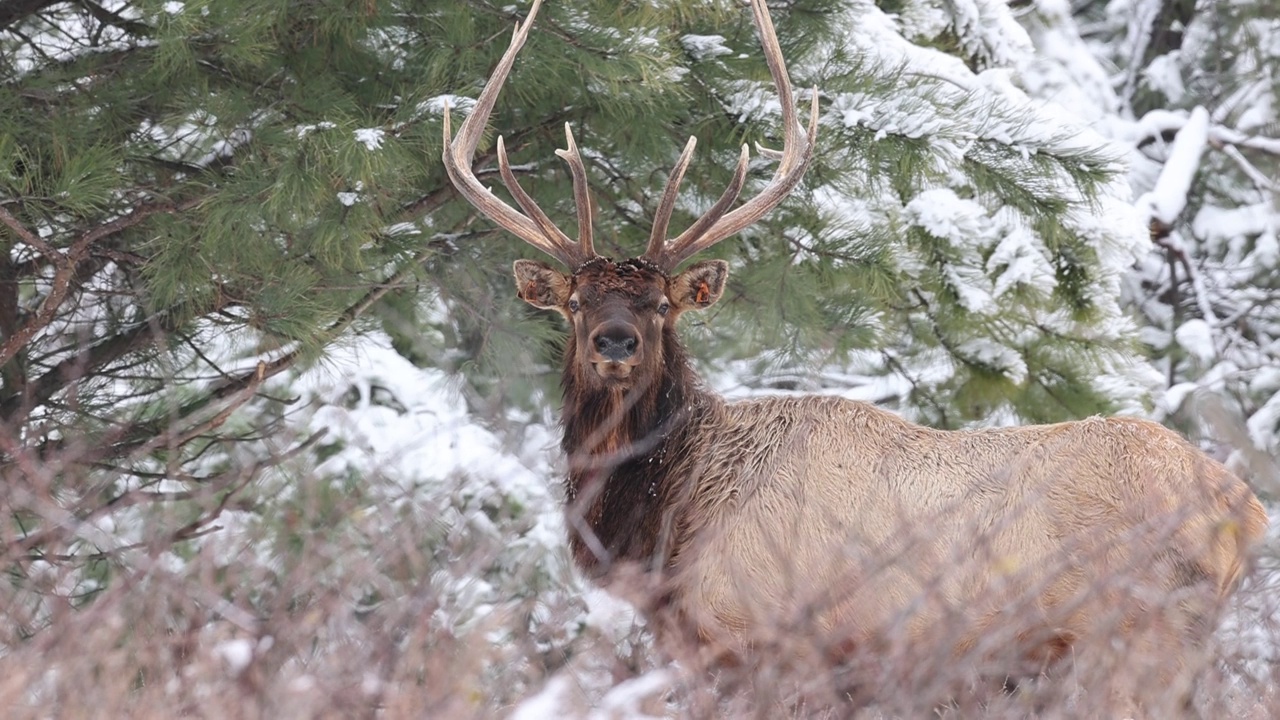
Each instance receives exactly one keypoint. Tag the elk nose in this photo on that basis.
(616, 342)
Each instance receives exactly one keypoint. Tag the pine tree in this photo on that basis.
(203, 171)
(199, 199)
(956, 245)
(1196, 105)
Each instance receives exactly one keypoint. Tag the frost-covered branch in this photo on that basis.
(1168, 198)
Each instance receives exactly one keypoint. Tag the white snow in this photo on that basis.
(1196, 337)
(1167, 199)
(1264, 424)
(1173, 398)
(237, 653)
(371, 137)
(1004, 360)
(437, 104)
(351, 197)
(989, 32)
(173, 7)
(946, 215)
(628, 700)
(1217, 225)
(1164, 74)
(701, 47)
(1025, 263)
(304, 130)
(549, 703)
(1140, 26)
(408, 423)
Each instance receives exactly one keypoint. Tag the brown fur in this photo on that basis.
(852, 524)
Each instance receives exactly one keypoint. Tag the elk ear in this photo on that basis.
(700, 286)
(541, 285)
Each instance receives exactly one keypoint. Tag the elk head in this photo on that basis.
(620, 310)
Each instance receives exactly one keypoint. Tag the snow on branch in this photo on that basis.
(1159, 123)
(1168, 198)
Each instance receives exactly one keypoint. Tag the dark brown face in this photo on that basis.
(619, 310)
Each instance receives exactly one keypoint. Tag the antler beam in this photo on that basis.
(533, 226)
(717, 223)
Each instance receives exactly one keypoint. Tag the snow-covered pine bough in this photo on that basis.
(834, 521)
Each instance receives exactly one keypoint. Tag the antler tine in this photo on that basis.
(581, 192)
(535, 213)
(677, 253)
(662, 218)
(793, 160)
(459, 151)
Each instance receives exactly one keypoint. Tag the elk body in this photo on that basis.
(835, 517)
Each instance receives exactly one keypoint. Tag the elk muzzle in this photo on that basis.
(614, 349)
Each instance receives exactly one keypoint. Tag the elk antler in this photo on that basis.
(534, 227)
(717, 223)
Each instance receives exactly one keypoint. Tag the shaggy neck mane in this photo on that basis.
(623, 448)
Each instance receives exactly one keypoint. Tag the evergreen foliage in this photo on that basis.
(268, 173)
(212, 211)
(203, 169)
(1195, 105)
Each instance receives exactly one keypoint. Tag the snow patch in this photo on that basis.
(1168, 198)
(371, 137)
(1024, 261)
(992, 355)
(701, 47)
(304, 130)
(1196, 337)
(551, 702)
(1164, 76)
(438, 103)
(236, 653)
(1264, 424)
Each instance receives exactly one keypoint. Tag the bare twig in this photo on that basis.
(25, 235)
(66, 268)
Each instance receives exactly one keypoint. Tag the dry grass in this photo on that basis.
(326, 601)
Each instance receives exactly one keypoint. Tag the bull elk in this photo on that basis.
(836, 511)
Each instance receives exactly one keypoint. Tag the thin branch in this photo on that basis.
(14, 11)
(142, 437)
(1228, 136)
(1177, 250)
(25, 235)
(73, 523)
(61, 283)
(114, 19)
(1260, 180)
(344, 320)
(78, 366)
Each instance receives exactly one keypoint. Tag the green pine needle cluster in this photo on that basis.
(295, 147)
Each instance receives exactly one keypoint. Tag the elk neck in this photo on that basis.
(626, 449)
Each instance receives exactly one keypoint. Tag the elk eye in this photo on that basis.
(573, 306)
(663, 308)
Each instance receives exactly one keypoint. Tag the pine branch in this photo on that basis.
(25, 235)
(67, 265)
(114, 19)
(83, 364)
(73, 521)
(14, 11)
(186, 424)
(145, 436)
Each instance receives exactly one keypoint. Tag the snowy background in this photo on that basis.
(440, 569)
